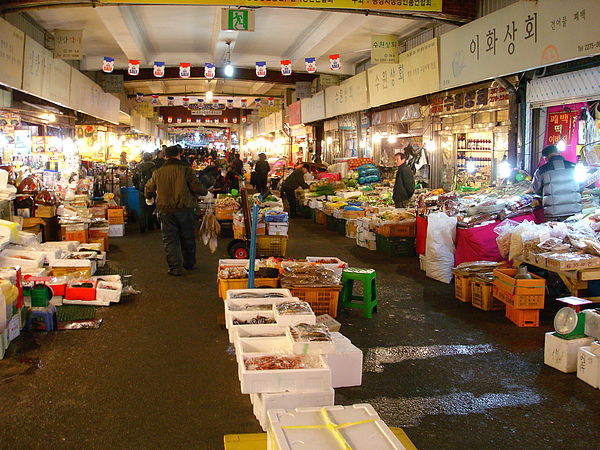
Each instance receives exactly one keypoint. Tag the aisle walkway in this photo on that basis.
(158, 373)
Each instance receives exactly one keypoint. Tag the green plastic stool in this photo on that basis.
(368, 301)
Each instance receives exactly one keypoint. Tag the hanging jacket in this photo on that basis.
(175, 186)
(404, 187)
(555, 183)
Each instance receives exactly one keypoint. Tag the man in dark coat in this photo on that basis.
(143, 174)
(293, 182)
(404, 187)
(261, 169)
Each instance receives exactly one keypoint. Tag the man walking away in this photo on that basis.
(293, 182)
(143, 173)
(555, 183)
(176, 188)
(261, 169)
(404, 187)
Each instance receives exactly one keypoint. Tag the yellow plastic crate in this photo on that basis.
(223, 285)
(271, 245)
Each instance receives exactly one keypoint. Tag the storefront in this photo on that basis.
(564, 110)
(299, 134)
(472, 126)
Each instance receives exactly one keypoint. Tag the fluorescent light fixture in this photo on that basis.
(392, 139)
(504, 169)
(470, 166)
(229, 70)
(209, 96)
(580, 174)
(377, 137)
(329, 140)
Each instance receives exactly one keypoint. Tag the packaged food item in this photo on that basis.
(296, 307)
(229, 273)
(274, 363)
(304, 332)
(258, 320)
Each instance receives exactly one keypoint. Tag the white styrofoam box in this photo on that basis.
(49, 254)
(56, 301)
(86, 302)
(253, 331)
(309, 348)
(34, 271)
(248, 303)
(28, 239)
(96, 246)
(74, 263)
(346, 195)
(346, 363)
(277, 229)
(595, 348)
(289, 320)
(259, 293)
(592, 323)
(32, 261)
(263, 345)
(109, 278)
(116, 230)
(588, 367)
(337, 267)
(245, 316)
(315, 377)
(562, 353)
(233, 262)
(14, 327)
(65, 246)
(289, 400)
(286, 429)
(109, 291)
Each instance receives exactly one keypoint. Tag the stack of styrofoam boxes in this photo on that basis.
(362, 429)
(95, 247)
(364, 236)
(338, 266)
(274, 388)
(588, 357)
(579, 355)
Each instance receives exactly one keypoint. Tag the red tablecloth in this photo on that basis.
(479, 243)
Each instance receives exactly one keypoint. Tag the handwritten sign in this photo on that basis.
(522, 36)
(313, 108)
(12, 44)
(384, 49)
(350, 96)
(36, 67)
(68, 44)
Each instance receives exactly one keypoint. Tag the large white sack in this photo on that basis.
(439, 251)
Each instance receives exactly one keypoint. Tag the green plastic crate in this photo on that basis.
(341, 226)
(331, 223)
(396, 246)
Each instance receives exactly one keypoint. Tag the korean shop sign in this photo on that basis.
(68, 44)
(477, 98)
(417, 73)
(384, 48)
(522, 36)
(397, 5)
(237, 19)
(350, 96)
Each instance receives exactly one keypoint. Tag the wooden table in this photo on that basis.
(574, 280)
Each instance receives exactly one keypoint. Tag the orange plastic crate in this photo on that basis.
(482, 296)
(519, 301)
(462, 288)
(523, 317)
(404, 229)
(322, 300)
(320, 217)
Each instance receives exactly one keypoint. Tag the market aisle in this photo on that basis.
(157, 374)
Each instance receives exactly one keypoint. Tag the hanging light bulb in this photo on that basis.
(504, 169)
(209, 96)
(229, 69)
(580, 174)
(430, 145)
(329, 140)
(561, 145)
(377, 137)
(470, 166)
(392, 139)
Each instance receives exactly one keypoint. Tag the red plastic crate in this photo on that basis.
(73, 292)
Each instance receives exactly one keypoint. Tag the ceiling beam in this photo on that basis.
(128, 32)
(261, 88)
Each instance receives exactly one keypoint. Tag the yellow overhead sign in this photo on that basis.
(397, 5)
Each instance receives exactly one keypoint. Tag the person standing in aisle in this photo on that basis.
(293, 182)
(176, 188)
(261, 169)
(159, 159)
(143, 173)
(237, 165)
(404, 187)
(555, 183)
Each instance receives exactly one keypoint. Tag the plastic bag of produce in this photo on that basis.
(441, 234)
(516, 238)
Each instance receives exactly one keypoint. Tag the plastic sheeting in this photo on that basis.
(441, 234)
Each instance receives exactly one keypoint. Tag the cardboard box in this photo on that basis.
(505, 281)
(561, 261)
(116, 230)
(277, 229)
(115, 216)
(345, 363)
(562, 353)
(329, 322)
(588, 367)
(45, 211)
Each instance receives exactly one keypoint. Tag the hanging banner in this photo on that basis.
(522, 36)
(209, 71)
(384, 49)
(295, 113)
(334, 62)
(244, 103)
(560, 126)
(229, 103)
(258, 102)
(311, 65)
(108, 65)
(169, 119)
(286, 67)
(201, 102)
(225, 120)
(160, 119)
(186, 102)
(415, 74)
(68, 44)
(234, 120)
(139, 97)
(216, 104)
(398, 5)
(179, 120)
(188, 120)
(133, 68)
(244, 119)
(159, 69)
(271, 101)
(170, 101)
(155, 99)
(184, 70)
(261, 69)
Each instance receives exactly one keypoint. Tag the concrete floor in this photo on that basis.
(158, 373)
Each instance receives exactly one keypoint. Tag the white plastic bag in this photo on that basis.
(439, 251)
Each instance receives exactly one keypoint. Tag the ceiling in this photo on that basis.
(193, 34)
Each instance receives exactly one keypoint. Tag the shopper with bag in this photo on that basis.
(175, 188)
(143, 174)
